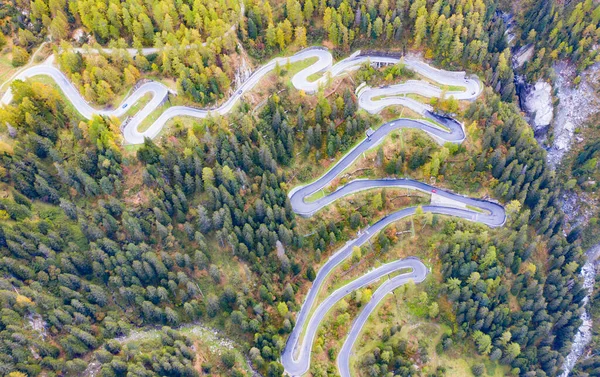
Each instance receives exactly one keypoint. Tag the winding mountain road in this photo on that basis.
(485, 212)
(296, 355)
(297, 352)
(393, 94)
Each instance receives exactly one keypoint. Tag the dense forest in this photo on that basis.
(101, 264)
(560, 30)
(105, 260)
(98, 239)
(468, 34)
(460, 34)
(94, 259)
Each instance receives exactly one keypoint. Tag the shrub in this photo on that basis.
(20, 56)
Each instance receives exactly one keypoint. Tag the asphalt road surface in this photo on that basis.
(296, 355)
(391, 95)
(486, 212)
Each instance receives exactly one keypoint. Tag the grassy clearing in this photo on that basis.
(447, 88)
(186, 121)
(150, 119)
(292, 68)
(289, 70)
(213, 346)
(418, 330)
(476, 209)
(454, 88)
(132, 148)
(168, 82)
(133, 109)
(418, 97)
(317, 195)
(208, 344)
(315, 76)
(6, 67)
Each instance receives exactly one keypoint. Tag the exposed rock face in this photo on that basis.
(242, 73)
(576, 105)
(538, 105)
(522, 55)
(509, 22)
(78, 34)
(584, 334)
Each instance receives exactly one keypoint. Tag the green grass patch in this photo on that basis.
(476, 209)
(151, 118)
(454, 88)
(137, 106)
(6, 67)
(315, 76)
(293, 68)
(132, 148)
(288, 70)
(317, 195)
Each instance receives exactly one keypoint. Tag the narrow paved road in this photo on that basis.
(343, 360)
(297, 366)
(297, 352)
(393, 95)
(484, 212)
(372, 100)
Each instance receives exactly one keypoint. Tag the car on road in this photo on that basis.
(433, 191)
(124, 106)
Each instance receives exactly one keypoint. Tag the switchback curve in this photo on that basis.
(394, 94)
(485, 212)
(296, 354)
(372, 100)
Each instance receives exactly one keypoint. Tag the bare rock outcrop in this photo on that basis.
(577, 103)
(538, 105)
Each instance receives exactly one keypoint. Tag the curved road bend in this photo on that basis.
(296, 366)
(489, 213)
(343, 359)
(296, 354)
(492, 215)
(391, 94)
